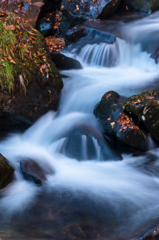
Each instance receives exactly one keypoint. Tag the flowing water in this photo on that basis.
(86, 199)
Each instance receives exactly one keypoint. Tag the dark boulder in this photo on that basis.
(79, 11)
(76, 33)
(65, 25)
(63, 62)
(116, 123)
(6, 172)
(45, 25)
(11, 123)
(33, 172)
(145, 106)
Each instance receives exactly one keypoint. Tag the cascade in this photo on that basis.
(121, 195)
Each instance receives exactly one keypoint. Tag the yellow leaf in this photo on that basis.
(112, 124)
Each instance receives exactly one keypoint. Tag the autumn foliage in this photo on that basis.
(126, 122)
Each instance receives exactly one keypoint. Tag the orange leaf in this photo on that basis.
(151, 97)
(31, 33)
(11, 27)
(38, 4)
(107, 96)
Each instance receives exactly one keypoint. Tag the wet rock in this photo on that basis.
(63, 62)
(145, 106)
(146, 6)
(24, 9)
(152, 232)
(75, 33)
(87, 144)
(32, 171)
(65, 25)
(6, 172)
(11, 123)
(45, 25)
(116, 123)
(80, 11)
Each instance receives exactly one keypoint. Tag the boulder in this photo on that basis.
(28, 10)
(146, 6)
(45, 25)
(116, 123)
(79, 11)
(145, 107)
(6, 172)
(75, 33)
(11, 123)
(33, 172)
(30, 83)
(63, 62)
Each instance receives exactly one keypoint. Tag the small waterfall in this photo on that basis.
(120, 53)
(127, 190)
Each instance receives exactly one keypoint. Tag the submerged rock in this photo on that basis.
(63, 62)
(80, 11)
(145, 106)
(88, 144)
(116, 123)
(32, 171)
(6, 172)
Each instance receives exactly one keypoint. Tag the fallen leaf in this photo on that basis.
(151, 97)
(40, 54)
(38, 4)
(77, 7)
(31, 33)
(107, 96)
(112, 124)
(10, 27)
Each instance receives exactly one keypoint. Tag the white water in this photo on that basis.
(113, 181)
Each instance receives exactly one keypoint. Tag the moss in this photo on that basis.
(22, 53)
(146, 4)
(6, 74)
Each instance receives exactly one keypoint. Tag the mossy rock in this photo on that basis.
(145, 106)
(142, 5)
(116, 123)
(6, 172)
(30, 83)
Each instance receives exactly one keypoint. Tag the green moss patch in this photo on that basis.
(22, 53)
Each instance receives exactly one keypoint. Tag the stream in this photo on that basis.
(88, 199)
